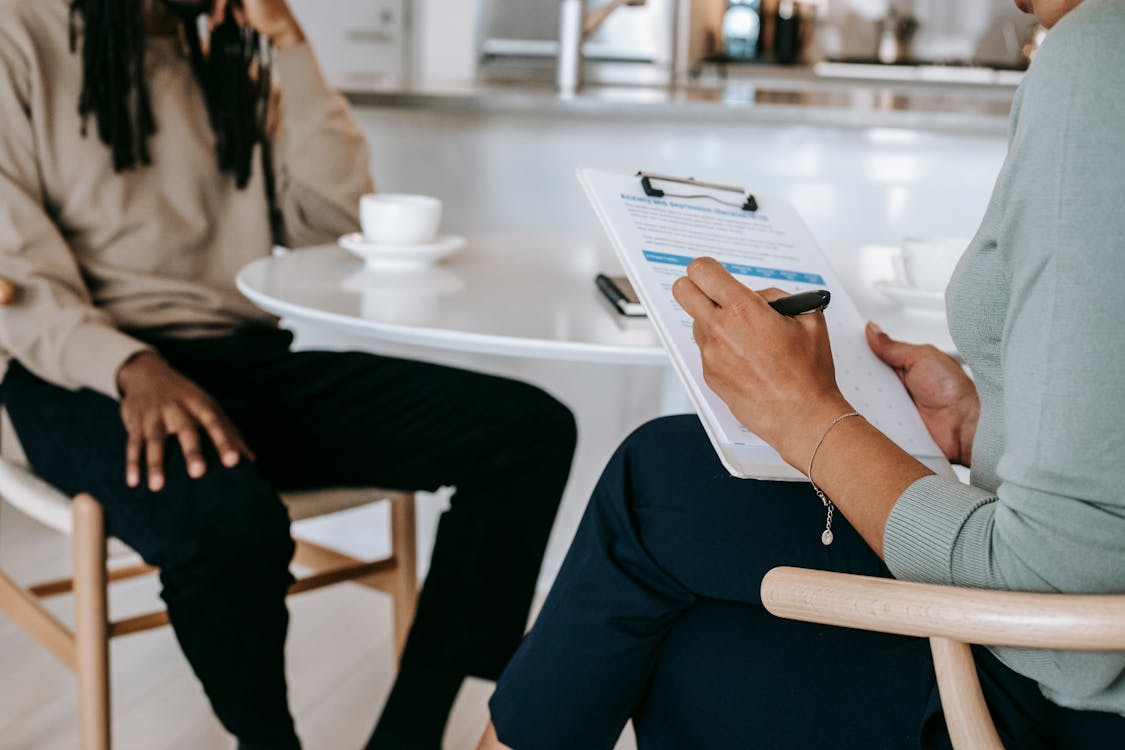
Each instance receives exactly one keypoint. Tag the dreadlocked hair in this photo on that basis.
(234, 74)
(113, 85)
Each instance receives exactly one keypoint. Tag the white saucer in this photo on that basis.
(912, 299)
(400, 257)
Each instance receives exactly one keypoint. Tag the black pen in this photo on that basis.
(805, 302)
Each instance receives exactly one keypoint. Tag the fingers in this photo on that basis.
(894, 353)
(133, 459)
(773, 293)
(240, 445)
(228, 442)
(148, 443)
(193, 452)
(179, 423)
(695, 303)
(717, 283)
(154, 457)
(699, 334)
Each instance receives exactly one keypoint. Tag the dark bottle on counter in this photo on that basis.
(742, 28)
(787, 40)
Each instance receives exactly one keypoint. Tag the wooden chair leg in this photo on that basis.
(404, 546)
(91, 623)
(966, 713)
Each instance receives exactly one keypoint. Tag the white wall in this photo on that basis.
(502, 172)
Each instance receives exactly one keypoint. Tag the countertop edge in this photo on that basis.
(537, 102)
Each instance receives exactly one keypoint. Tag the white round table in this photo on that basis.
(523, 306)
(522, 295)
(512, 294)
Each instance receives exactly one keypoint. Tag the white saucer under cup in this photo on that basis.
(927, 263)
(386, 257)
(913, 300)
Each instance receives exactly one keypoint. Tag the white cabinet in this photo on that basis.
(359, 42)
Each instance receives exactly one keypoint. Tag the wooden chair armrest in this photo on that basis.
(991, 618)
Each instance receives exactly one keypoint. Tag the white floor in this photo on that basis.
(340, 665)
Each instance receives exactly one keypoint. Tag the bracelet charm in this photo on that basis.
(827, 537)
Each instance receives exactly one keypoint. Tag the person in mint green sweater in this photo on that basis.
(656, 614)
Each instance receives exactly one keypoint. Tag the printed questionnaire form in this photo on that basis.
(656, 239)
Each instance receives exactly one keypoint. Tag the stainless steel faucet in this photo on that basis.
(575, 27)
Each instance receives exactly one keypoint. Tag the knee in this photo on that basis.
(652, 460)
(232, 523)
(557, 422)
(536, 418)
(658, 436)
(248, 520)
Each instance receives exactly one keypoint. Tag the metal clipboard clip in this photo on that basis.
(749, 202)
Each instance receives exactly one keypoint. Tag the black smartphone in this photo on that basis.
(620, 293)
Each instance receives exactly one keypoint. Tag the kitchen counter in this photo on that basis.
(793, 99)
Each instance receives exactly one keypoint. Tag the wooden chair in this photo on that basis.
(952, 618)
(85, 650)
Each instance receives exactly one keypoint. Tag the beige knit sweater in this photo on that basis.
(95, 253)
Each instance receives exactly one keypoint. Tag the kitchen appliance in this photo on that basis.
(576, 25)
(742, 27)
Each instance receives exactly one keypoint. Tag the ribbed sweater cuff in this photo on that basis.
(93, 354)
(308, 95)
(925, 525)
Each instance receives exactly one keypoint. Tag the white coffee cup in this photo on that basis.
(927, 263)
(397, 219)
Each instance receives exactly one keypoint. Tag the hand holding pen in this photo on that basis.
(774, 371)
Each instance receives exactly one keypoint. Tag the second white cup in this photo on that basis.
(398, 219)
(927, 263)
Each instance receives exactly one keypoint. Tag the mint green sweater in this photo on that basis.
(1036, 310)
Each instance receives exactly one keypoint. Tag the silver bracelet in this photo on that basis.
(827, 537)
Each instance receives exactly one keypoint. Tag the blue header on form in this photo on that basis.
(740, 270)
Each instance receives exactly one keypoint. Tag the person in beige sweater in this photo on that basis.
(142, 163)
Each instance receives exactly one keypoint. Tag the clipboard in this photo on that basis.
(657, 228)
(748, 203)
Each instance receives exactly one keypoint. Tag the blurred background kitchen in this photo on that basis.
(666, 41)
(870, 113)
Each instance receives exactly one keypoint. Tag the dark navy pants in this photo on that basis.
(314, 420)
(656, 616)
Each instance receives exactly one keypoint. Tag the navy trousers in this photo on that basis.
(656, 616)
(319, 419)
